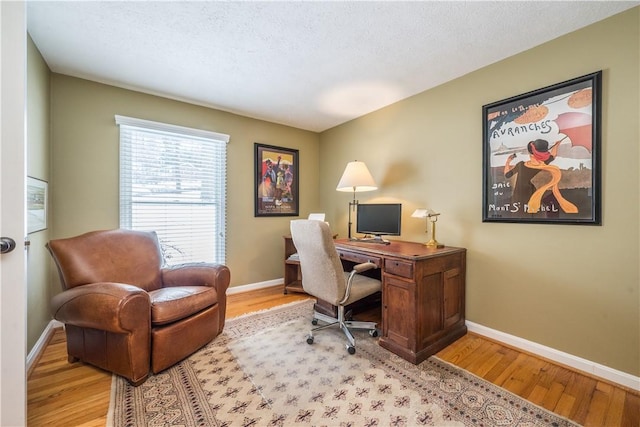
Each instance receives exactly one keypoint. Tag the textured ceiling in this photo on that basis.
(311, 65)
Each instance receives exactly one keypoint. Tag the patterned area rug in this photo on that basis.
(261, 372)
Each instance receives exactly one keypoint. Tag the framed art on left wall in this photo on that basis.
(36, 205)
(276, 181)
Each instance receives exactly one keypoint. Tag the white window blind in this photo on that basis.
(173, 182)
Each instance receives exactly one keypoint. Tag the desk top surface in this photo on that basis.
(397, 248)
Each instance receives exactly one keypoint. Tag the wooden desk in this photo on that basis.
(292, 275)
(423, 293)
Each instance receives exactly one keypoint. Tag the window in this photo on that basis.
(173, 182)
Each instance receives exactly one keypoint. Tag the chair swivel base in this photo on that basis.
(345, 325)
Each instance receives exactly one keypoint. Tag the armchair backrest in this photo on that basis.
(122, 256)
(322, 272)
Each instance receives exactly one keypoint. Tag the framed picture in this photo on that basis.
(541, 155)
(36, 205)
(276, 181)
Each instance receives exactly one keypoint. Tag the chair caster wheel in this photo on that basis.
(309, 339)
(351, 350)
(314, 322)
(373, 333)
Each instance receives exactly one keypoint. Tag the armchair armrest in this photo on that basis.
(216, 276)
(108, 306)
(198, 274)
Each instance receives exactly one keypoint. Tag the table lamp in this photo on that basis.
(432, 216)
(356, 178)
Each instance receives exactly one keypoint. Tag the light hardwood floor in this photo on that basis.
(63, 394)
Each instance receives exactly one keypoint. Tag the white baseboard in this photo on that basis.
(40, 345)
(577, 363)
(254, 286)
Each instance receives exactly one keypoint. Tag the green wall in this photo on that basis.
(39, 292)
(572, 288)
(85, 141)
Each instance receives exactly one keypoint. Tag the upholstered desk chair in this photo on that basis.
(323, 277)
(126, 314)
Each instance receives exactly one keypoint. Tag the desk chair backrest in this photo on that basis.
(322, 272)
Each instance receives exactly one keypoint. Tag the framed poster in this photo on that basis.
(541, 155)
(36, 205)
(276, 181)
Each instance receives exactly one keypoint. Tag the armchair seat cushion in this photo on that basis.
(171, 304)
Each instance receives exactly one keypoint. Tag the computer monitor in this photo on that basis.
(379, 219)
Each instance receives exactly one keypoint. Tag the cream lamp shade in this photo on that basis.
(356, 177)
(424, 213)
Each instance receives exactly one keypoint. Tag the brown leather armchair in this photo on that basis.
(126, 314)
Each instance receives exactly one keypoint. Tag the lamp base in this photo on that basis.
(434, 244)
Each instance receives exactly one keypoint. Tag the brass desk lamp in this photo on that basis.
(432, 217)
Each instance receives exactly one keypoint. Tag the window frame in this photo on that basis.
(128, 126)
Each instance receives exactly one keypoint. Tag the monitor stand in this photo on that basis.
(375, 239)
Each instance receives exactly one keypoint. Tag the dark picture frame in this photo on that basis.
(276, 181)
(541, 155)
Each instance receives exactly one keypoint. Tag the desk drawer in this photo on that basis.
(398, 268)
(359, 258)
